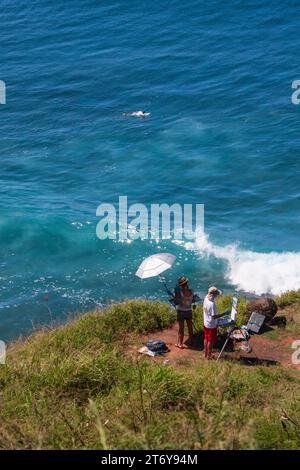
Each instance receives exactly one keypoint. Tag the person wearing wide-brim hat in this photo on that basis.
(184, 298)
(210, 317)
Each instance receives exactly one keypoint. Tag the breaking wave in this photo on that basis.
(254, 272)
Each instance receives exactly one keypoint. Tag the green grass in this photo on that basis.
(74, 387)
(273, 334)
(290, 302)
(288, 298)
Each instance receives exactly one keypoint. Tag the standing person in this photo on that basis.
(211, 316)
(183, 299)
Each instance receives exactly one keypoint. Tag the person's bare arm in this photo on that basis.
(218, 315)
(177, 297)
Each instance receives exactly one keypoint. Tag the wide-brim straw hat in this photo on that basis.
(183, 280)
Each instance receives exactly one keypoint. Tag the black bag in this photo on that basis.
(157, 346)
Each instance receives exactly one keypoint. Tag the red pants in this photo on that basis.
(210, 334)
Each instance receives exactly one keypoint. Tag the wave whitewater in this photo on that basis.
(253, 272)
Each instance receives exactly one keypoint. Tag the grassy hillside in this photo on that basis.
(74, 387)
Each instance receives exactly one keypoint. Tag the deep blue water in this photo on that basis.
(216, 77)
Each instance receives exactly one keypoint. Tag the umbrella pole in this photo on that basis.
(162, 280)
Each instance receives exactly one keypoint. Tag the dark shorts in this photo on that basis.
(210, 334)
(181, 316)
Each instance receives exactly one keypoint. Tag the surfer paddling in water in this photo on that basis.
(141, 114)
(184, 298)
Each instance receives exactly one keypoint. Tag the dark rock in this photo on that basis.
(279, 321)
(265, 306)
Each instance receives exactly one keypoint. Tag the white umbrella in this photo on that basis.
(155, 265)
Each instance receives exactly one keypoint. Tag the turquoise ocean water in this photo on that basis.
(216, 77)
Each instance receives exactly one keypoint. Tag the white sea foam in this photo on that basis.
(255, 272)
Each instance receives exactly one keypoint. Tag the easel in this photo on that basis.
(254, 325)
(234, 328)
